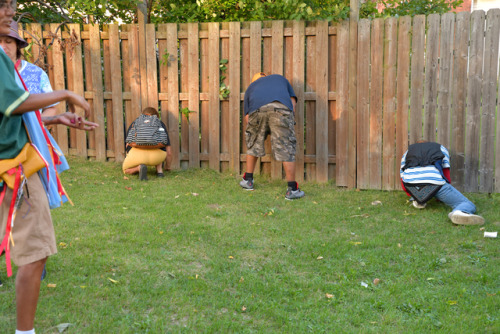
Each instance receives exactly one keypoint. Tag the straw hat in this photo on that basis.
(13, 32)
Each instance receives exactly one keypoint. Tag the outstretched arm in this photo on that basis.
(71, 120)
(39, 101)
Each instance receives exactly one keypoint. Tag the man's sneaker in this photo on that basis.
(143, 172)
(246, 184)
(294, 194)
(462, 218)
(417, 205)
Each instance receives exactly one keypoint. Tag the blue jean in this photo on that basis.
(453, 198)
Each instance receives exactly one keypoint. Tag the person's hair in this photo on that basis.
(150, 111)
(18, 50)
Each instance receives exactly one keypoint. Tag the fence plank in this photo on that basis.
(322, 102)
(89, 87)
(214, 102)
(204, 104)
(126, 76)
(97, 91)
(152, 71)
(143, 61)
(108, 103)
(117, 95)
(342, 104)
(445, 78)
(234, 97)
(194, 94)
(35, 32)
(472, 144)
(78, 139)
(134, 72)
(402, 89)
(487, 161)
(363, 106)
(310, 118)
(245, 78)
(277, 68)
(49, 68)
(173, 93)
(389, 98)
(224, 105)
(431, 74)
(417, 77)
(353, 73)
(332, 100)
(376, 85)
(255, 62)
(184, 89)
(59, 84)
(459, 93)
(298, 86)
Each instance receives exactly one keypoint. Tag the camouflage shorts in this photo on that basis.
(277, 120)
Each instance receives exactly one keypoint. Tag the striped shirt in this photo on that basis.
(427, 174)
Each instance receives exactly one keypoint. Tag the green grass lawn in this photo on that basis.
(193, 252)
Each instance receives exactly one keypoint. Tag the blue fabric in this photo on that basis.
(454, 198)
(33, 78)
(268, 89)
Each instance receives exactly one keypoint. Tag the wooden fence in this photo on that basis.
(432, 77)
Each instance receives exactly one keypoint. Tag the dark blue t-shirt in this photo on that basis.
(268, 89)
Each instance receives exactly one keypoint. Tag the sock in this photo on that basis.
(294, 185)
(25, 332)
(248, 176)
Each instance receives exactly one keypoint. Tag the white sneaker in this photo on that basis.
(418, 206)
(462, 218)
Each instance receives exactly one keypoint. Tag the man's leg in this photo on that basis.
(289, 167)
(27, 291)
(462, 209)
(454, 199)
(251, 161)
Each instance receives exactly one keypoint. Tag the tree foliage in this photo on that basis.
(163, 11)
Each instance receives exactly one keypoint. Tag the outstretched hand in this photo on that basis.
(71, 120)
(73, 100)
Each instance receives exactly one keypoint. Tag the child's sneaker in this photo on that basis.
(246, 184)
(462, 218)
(293, 194)
(417, 205)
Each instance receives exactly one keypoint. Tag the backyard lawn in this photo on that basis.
(194, 253)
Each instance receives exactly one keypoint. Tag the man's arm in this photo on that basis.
(38, 101)
(294, 102)
(71, 120)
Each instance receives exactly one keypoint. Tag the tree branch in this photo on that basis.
(58, 12)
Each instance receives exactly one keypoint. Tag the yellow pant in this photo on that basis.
(140, 156)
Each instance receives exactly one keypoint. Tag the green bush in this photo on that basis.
(178, 11)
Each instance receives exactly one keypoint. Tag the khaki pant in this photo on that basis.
(33, 232)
